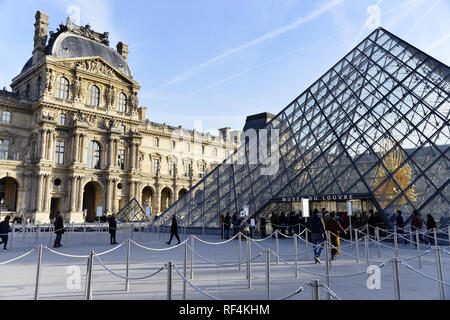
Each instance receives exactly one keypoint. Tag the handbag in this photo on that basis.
(338, 246)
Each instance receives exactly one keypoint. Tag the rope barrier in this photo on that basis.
(158, 249)
(226, 265)
(421, 273)
(299, 290)
(110, 250)
(64, 254)
(194, 286)
(328, 290)
(17, 258)
(216, 243)
(129, 278)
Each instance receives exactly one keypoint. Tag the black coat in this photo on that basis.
(112, 225)
(4, 228)
(59, 225)
(174, 227)
(227, 222)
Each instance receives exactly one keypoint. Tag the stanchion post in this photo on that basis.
(127, 281)
(67, 235)
(377, 233)
(192, 257)
(410, 238)
(185, 269)
(268, 274)
(439, 272)
(327, 264)
(418, 249)
(277, 247)
(351, 233)
(38, 273)
(84, 232)
(357, 245)
(395, 243)
(37, 233)
(88, 291)
(239, 250)
(306, 242)
(435, 237)
(295, 255)
(396, 278)
(26, 238)
(249, 265)
(12, 236)
(50, 231)
(366, 245)
(169, 280)
(448, 234)
(315, 289)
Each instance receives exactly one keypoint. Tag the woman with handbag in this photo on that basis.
(335, 229)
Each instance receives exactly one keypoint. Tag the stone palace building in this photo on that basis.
(74, 138)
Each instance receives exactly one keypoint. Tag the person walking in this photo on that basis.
(400, 223)
(112, 228)
(283, 224)
(417, 224)
(59, 229)
(262, 227)
(371, 223)
(431, 226)
(317, 227)
(235, 223)
(227, 226)
(4, 230)
(274, 221)
(335, 229)
(221, 220)
(174, 230)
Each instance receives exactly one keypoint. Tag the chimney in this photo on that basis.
(40, 36)
(225, 133)
(122, 49)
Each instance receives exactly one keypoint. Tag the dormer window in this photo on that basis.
(94, 96)
(62, 89)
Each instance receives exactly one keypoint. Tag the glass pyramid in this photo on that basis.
(376, 124)
(132, 212)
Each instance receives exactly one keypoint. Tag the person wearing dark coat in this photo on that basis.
(227, 226)
(335, 229)
(59, 230)
(274, 221)
(431, 225)
(262, 227)
(4, 230)
(235, 223)
(283, 223)
(400, 223)
(417, 224)
(112, 229)
(317, 227)
(174, 230)
(372, 222)
(291, 223)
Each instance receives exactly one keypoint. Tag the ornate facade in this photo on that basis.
(74, 138)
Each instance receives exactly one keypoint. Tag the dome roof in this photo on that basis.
(73, 41)
(68, 45)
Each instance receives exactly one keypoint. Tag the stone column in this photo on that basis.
(40, 181)
(132, 154)
(114, 200)
(50, 146)
(46, 192)
(75, 147)
(80, 193)
(108, 196)
(136, 156)
(158, 199)
(83, 149)
(73, 194)
(110, 153)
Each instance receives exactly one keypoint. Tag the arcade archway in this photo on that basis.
(92, 198)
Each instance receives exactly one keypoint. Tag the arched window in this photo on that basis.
(93, 157)
(122, 102)
(27, 91)
(6, 117)
(62, 89)
(94, 96)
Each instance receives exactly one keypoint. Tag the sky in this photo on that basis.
(208, 64)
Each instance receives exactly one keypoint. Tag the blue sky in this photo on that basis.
(208, 63)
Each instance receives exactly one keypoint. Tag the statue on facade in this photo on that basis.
(49, 82)
(77, 88)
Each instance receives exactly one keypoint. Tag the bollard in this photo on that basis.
(439, 272)
(169, 280)
(357, 245)
(38, 273)
(295, 256)
(377, 233)
(327, 258)
(315, 289)
(88, 289)
(277, 247)
(192, 257)
(268, 274)
(249, 265)
(239, 250)
(127, 281)
(185, 269)
(418, 249)
(366, 245)
(396, 278)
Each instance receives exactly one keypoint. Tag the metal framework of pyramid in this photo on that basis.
(376, 124)
(132, 212)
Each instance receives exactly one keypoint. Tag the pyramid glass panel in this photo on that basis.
(374, 129)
